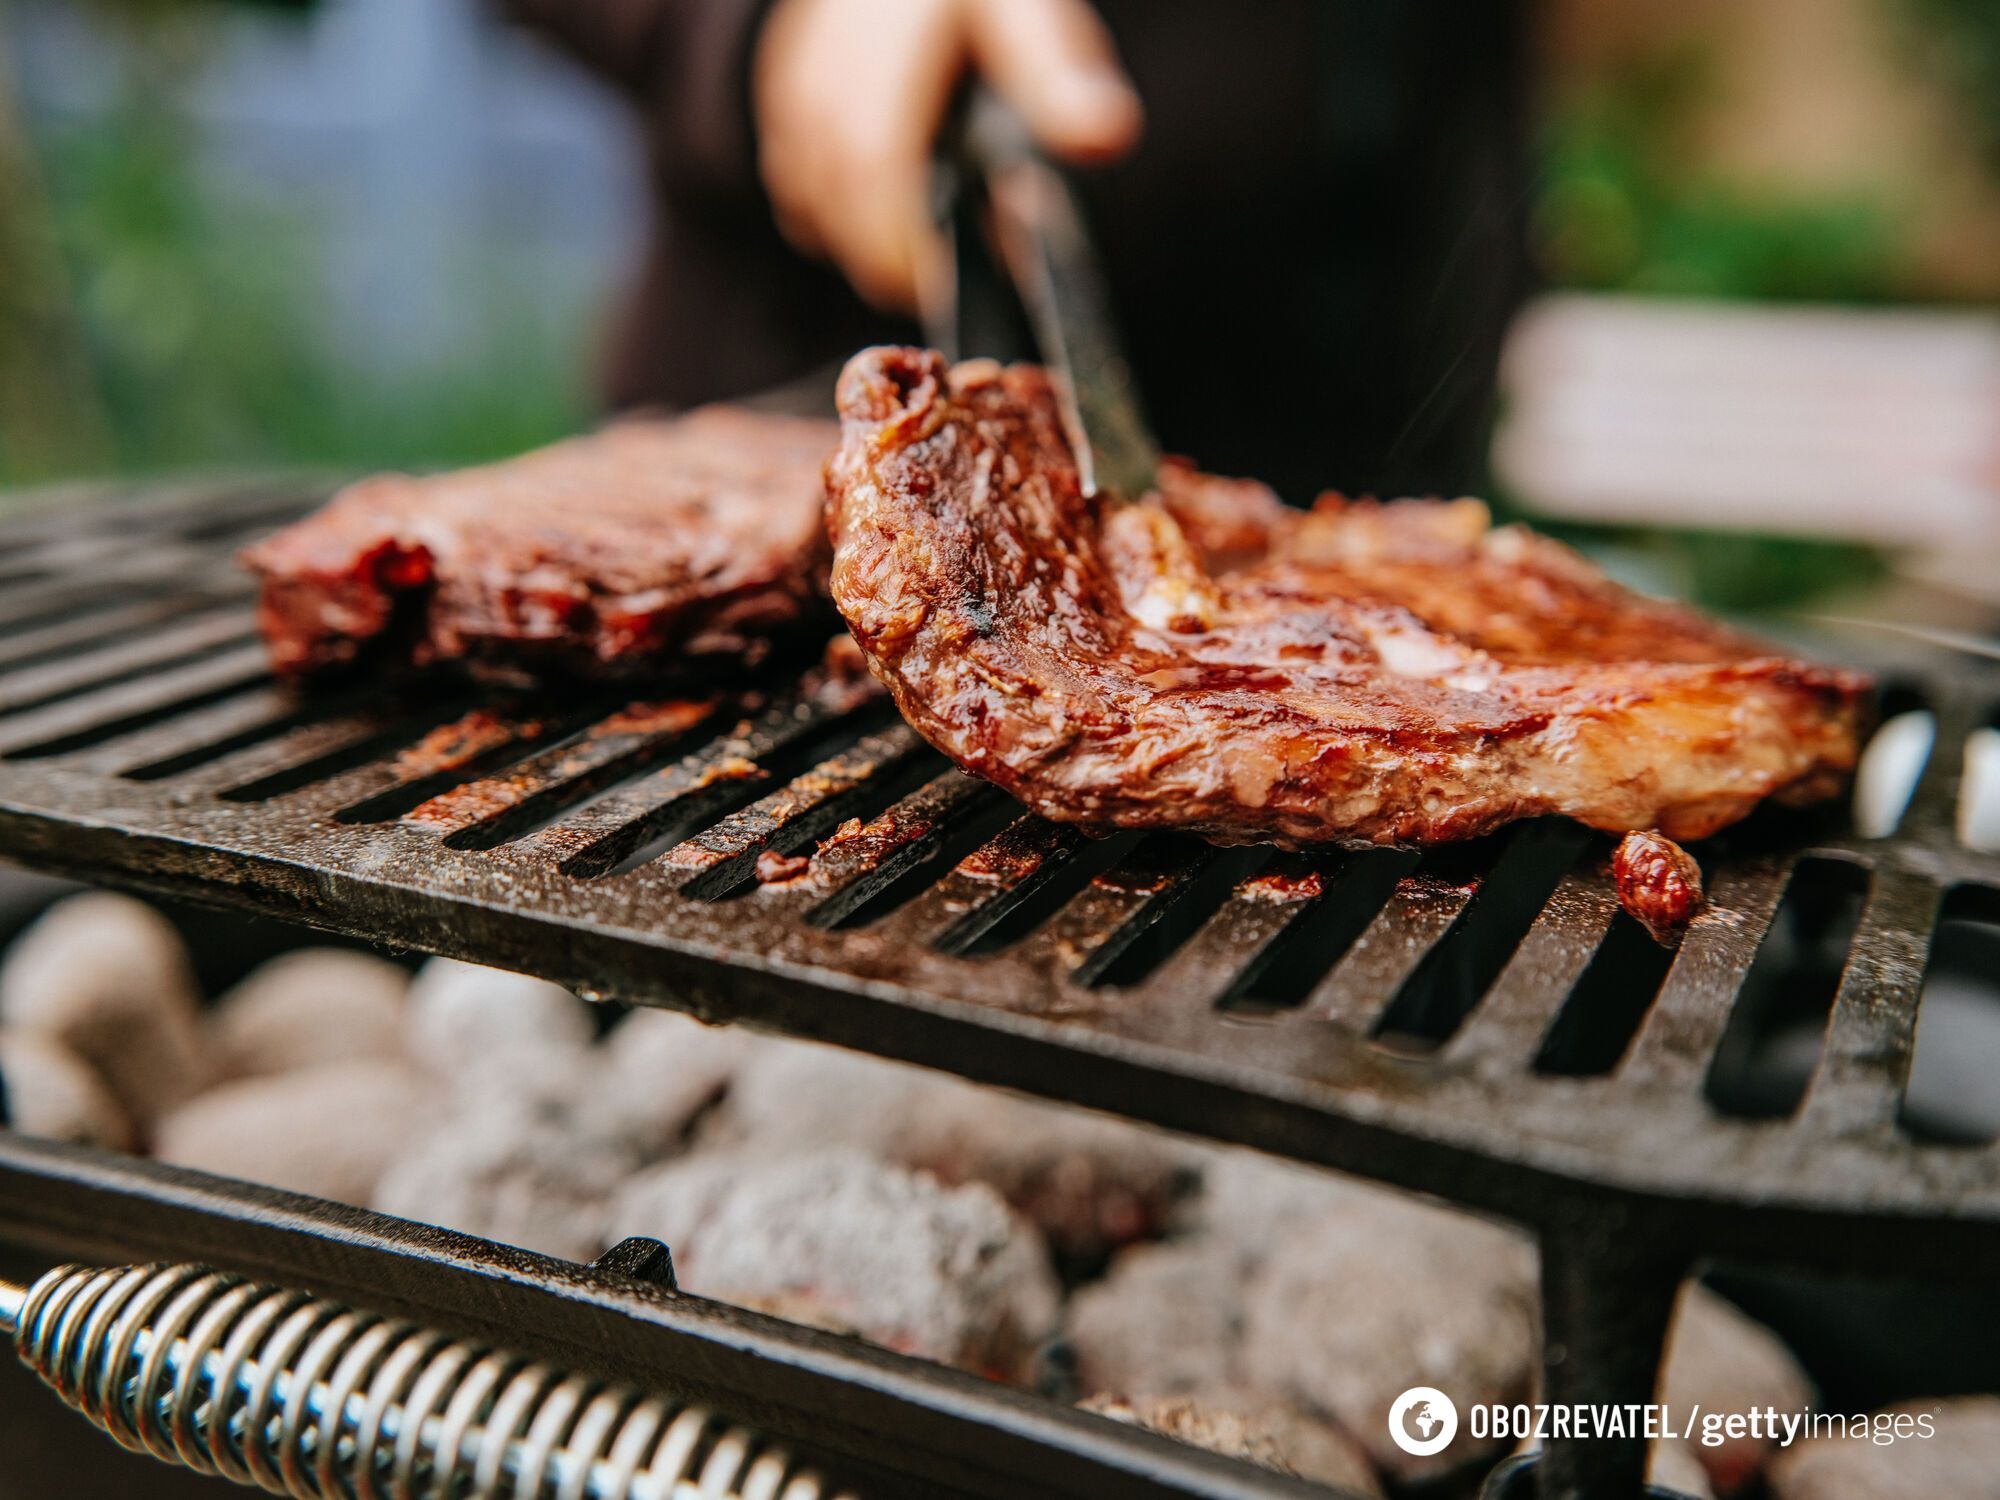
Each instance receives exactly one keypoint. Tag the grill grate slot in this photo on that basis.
(1171, 916)
(857, 783)
(476, 744)
(882, 863)
(1113, 909)
(1774, 1034)
(1601, 1014)
(1948, 1101)
(1421, 909)
(1271, 895)
(1456, 971)
(64, 638)
(322, 749)
(127, 660)
(492, 810)
(107, 713)
(1009, 886)
(197, 740)
(634, 824)
(1508, 1027)
(1678, 1036)
(1356, 887)
(1979, 789)
(1864, 1065)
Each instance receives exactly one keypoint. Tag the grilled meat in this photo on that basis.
(605, 556)
(1658, 882)
(1205, 659)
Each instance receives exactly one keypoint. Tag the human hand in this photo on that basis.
(849, 96)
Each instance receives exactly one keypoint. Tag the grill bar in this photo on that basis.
(1687, 1020)
(899, 1428)
(1506, 1030)
(1872, 1033)
(1420, 911)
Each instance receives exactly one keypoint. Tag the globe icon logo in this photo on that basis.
(1423, 1421)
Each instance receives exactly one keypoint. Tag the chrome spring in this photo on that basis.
(303, 1397)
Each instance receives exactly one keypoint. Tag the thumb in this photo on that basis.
(1054, 61)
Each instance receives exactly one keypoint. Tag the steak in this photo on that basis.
(1206, 659)
(610, 555)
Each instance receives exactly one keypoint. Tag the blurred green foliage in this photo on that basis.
(204, 320)
(1619, 210)
(206, 329)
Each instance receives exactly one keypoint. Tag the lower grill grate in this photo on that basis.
(1481, 1022)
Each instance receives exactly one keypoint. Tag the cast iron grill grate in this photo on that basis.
(1481, 1022)
(1424, 1019)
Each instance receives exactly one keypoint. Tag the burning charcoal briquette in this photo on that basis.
(946, 1273)
(1088, 1182)
(658, 1072)
(520, 1168)
(329, 1131)
(308, 1008)
(48, 1091)
(1166, 1318)
(459, 1013)
(1277, 1438)
(1253, 1202)
(1722, 1361)
(1920, 1450)
(1382, 1293)
(109, 978)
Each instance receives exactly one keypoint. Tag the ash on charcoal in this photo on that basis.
(1090, 1183)
(657, 1073)
(517, 1167)
(307, 1008)
(1721, 1360)
(1383, 1293)
(946, 1273)
(109, 978)
(49, 1091)
(328, 1131)
(1254, 1202)
(1166, 1318)
(462, 1015)
(1279, 1439)
(1959, 1460)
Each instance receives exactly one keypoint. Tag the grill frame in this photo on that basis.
(1594, 1166)
(899, 1428)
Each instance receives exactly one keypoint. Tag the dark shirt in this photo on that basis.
(1313, 252)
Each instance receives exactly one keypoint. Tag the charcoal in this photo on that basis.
(946, 1273)
(329, 1131)
(307, 1008)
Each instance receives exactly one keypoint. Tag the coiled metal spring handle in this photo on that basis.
(303, 1397)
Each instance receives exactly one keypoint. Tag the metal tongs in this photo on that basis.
(998, 190)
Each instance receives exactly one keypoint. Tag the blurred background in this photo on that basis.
(361, 233)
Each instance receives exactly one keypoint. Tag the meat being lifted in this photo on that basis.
(650, 544)
(1206, 659)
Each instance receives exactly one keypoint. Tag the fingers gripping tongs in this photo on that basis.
(999, 193)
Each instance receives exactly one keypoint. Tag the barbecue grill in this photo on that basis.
(1481, 1023)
